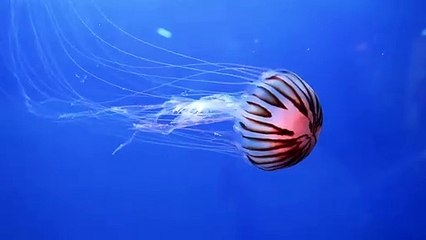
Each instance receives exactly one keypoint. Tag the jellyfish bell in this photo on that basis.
(281, 121)
(73, 63)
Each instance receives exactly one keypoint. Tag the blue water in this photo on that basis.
(364, 180)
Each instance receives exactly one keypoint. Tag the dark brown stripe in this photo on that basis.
(278, 130)
(301, 90)
(264, 149)
(310, 99)
(263, 111)
(291, 151)
(273, 140)
(274, 101)
(291, 161)
(281, 155)
(300, 106)
(318, 104)
(285, 164)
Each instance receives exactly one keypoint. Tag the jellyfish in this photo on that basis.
(74, 62)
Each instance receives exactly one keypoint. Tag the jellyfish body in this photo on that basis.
(281, 121)
(278, 120)
(97, 71)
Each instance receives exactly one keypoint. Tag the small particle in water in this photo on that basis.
(424, 32)
(164, 32)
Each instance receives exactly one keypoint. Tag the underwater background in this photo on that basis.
(364, 180)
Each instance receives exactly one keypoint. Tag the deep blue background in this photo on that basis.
(365, 180)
